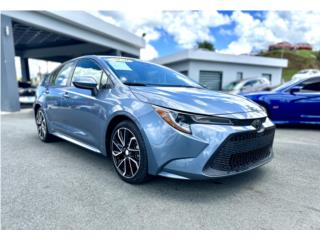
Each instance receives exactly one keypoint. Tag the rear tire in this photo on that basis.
(42, 127)
(128, 153)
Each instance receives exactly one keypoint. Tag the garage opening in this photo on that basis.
(211, 79)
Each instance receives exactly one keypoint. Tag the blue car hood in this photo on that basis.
(200, 101)
(257, 93)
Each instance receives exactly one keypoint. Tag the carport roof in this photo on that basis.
(205, 55)
(38, 29)
(28, 37)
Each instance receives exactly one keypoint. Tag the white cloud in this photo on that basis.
(148, 53)
(186, 27)
(252, 32)
(255, 34)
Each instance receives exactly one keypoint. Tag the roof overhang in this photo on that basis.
(82, 26)
(208, 56)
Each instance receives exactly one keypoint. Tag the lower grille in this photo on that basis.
(240, 150)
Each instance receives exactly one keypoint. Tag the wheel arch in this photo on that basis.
(265, 105)
(117, 118)
(36, 108)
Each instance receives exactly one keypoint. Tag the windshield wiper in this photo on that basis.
(158, 85)
(134, 84)
(185, 86)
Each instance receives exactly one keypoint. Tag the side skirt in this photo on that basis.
(72, 140)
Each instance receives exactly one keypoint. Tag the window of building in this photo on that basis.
(184, 73)
(239, 75)
(267, 76)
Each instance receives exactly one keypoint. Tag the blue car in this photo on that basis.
(295, 102)
(151, 120)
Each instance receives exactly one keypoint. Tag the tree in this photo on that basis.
(318, 55)
(206, 45)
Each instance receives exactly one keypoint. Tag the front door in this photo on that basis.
(86, 115)
(307, 101)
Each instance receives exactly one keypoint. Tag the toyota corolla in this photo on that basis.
(151, 120)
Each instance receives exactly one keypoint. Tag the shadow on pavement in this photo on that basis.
(299, 126)
(178, 190)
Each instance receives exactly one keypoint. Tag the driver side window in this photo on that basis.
(87, 67)
(311, 86)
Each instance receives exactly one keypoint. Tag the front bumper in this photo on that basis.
(178, 155)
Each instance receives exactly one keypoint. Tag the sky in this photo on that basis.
(232, 32)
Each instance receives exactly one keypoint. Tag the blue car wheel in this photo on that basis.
(42, 126)
(128, 153)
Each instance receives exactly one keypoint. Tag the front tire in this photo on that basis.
(42, 126)
(128, 153)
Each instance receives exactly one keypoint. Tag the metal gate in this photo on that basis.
(210, 79)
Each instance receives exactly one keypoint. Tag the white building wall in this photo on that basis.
(229, 71)
(180, 66)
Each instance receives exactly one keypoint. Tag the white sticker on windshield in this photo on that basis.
(120, 65)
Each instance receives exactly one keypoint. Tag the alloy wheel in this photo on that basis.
(125, 152)
(41, 125)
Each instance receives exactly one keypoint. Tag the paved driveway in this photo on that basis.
(62, 186)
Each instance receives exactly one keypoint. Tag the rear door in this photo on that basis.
(211, 80)
(55, 94)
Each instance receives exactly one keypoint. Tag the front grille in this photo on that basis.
(246, 122)
(240, 150)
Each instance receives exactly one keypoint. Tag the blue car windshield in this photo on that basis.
(287, 84)
(135, 72)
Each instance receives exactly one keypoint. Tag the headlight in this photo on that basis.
(182, 121)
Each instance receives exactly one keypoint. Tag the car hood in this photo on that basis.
(261, 93)
(200, 101)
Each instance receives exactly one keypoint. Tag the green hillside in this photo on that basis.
(298, 59)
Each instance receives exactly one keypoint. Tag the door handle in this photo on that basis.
(66, 95)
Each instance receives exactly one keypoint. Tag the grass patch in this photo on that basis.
(297, 60)
(288, 73)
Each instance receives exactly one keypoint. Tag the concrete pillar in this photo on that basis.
(25, 69)
(9, 84)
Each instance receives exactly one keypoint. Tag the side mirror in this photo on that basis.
(295, 89)
(86, 82)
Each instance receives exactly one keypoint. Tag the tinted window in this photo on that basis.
(312, 85)
(60, 79)
(137, 72)
(251, 83)
(87, 67)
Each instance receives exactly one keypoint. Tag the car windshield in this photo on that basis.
(285, 85)
(138, 73)
(232, 86)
